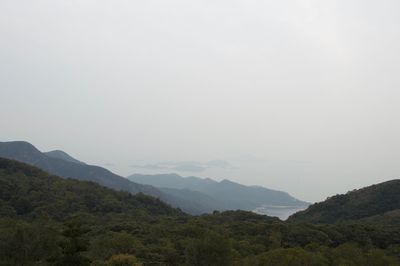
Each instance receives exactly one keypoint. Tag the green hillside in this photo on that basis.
(192, 195)
(47, 220)
(375, 200)
(61, 164)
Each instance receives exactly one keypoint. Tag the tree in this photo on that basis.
(74, 244)
(211, 250)
(115, 243)
(290, 257)
(123, 260)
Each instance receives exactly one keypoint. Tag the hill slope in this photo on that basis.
(226, 194)
(200, 201)
(193, 195)
(30, 192)
(48, 220)
(61, 164)
(62, 155)
(27, 153)
(367, 202)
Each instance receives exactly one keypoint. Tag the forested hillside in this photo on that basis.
(376, 200)
(192, 195)
(61, 164)
(47, 220)
(27, 153)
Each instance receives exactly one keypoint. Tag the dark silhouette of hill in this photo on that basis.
(193, 195)
(372, 202)
(226, 195)
(61, 164)
(27, 153)
(30, 191)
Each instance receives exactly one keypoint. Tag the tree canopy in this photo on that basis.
(47, 220)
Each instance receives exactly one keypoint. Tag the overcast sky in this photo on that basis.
(302, 96)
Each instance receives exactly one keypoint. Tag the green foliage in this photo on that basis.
(23, 243)
(290, 257)
(46, 220)
(357, 204)
(104, 246)
(123, 260)
(74, 245)
(210, 250)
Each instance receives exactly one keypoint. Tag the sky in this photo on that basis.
(300, 96)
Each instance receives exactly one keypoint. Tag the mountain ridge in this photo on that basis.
(192, 194)
(364, 203)
(59, 154)
(232, 195)
(27, 153)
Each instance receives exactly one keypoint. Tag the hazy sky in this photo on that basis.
(302, 96)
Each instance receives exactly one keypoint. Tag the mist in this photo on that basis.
(300, 96)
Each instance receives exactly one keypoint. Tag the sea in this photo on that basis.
(282, 212)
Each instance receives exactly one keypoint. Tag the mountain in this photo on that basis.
(174, 181)
(193, 195)
(227, 195)
(47, 220)
(62, 155)
(27, 153)
(61, 164)
(202, 203)
(31, 192)
(373, 203)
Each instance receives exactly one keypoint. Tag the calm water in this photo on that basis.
(282, 212)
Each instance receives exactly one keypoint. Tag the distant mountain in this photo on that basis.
(174, 181)
(374, 203)
(29, 191)
(27, 153)
(192, 195)
(202, 203)
(226, 195)
(62, 155)
(61, 164)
